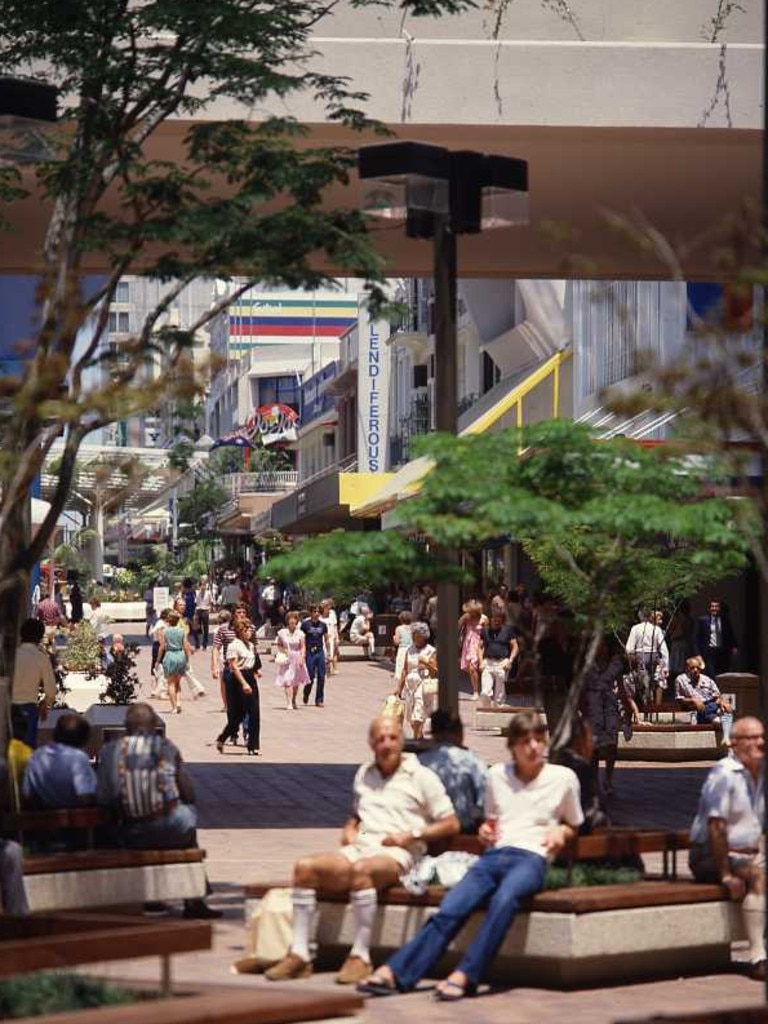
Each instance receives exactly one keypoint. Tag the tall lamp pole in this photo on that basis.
(441, 194)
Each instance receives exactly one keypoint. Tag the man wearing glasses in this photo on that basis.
(726, 834)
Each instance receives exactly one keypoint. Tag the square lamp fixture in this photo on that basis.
(27, 110)
(405, 181)
(26, 100)
(505, 192)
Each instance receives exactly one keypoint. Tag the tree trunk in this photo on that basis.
(14, 600)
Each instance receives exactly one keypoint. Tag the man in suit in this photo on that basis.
(716, 640)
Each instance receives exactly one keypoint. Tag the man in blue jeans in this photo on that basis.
(532, 809)
(316, 636)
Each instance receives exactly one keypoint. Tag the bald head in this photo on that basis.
(139, 718)
(385, 737)
(746, 726)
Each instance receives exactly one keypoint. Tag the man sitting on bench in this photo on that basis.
(697, 692)
(399, 806)
(143, 778)
(532, 810)
(727, 831)
(59, 774)
(361, 633)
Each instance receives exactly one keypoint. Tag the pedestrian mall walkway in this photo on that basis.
(258, 815)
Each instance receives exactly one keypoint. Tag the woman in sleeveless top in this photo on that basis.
(402, 639)
(174, 653)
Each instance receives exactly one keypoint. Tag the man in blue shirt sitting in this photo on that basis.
(462, 773)
(60, 774)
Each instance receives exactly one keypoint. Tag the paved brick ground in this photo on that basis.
(258, 814)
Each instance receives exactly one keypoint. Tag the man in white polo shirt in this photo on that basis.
(399, 805)
(532, 809)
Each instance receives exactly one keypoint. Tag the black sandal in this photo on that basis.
(374, 986)
(443, 995)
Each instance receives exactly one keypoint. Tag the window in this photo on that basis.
(122, 292)
(284, 390)
(119, 323)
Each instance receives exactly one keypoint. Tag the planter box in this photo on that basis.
(203, 1004)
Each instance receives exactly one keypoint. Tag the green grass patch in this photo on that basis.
(590, 874)
(33, 995)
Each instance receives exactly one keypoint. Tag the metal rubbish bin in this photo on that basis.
(384, 630)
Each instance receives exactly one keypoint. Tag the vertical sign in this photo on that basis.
(372, 394)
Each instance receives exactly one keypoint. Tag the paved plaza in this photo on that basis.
(257, 815)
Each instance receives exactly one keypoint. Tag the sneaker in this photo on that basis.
(290, 968)
(200, 911)
(353, 970)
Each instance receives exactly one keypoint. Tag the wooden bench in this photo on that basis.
(743, 1015)
(31, 824)
(54, 941)
(112, 878)
(204, 1004)
(564, 937)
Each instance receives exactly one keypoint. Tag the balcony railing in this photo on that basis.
(266, 481)
(413, 425)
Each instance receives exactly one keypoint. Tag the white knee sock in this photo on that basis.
(364, 914)
(304, 904)
(753, 909)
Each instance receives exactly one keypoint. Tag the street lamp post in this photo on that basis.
(440, 194)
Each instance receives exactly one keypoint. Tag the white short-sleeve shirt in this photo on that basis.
(732, 794)
(245, 654)
(527, 811)
(411, 798)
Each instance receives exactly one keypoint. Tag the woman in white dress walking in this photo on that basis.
(291, 659)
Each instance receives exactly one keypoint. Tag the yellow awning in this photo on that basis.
(407, 481)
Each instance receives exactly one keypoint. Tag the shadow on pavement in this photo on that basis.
(258, 795)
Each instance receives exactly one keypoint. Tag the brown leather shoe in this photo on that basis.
(290, 968)
(757, 971)
(353, 970)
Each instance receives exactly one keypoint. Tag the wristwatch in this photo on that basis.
(417, 834)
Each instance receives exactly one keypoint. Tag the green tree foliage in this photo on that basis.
(241, 197)
(608, 524)
(83, 650)
(344, 564)
(123, 682)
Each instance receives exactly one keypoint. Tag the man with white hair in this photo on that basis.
(361, 633)
(399, 806)
(727, 831)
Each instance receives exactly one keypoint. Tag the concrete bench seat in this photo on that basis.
(563, 938)
(672, 741)
(112, 878)
(496, 719)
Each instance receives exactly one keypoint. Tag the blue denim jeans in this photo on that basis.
(316, 670)
(499, 880)
(175, 831)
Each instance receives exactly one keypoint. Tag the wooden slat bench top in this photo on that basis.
(94, 860)
(238, 1006)
(671, 727)
(48, 942)
(50, 820)
(574, 900)
(605, 843)
(508, 709)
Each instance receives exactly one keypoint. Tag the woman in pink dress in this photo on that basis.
(291, 659)
(470, 632)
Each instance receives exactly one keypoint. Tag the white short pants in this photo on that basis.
(356, 851)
